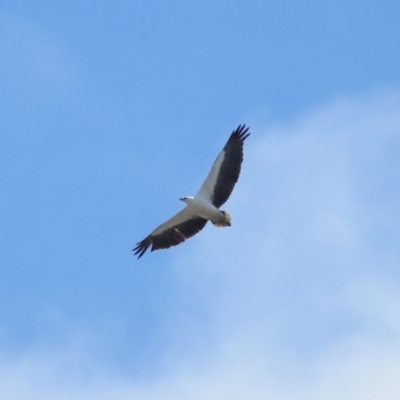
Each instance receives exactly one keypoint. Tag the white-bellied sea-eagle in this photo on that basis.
(204, 206)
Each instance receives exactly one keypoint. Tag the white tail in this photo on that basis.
(223, 219)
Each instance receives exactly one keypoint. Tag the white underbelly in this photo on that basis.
(204, 209)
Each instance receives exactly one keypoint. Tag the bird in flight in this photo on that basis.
(204, 206)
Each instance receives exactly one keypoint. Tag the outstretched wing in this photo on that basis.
(176, 230)
(226, 169)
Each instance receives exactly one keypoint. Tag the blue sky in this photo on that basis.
(111, 111)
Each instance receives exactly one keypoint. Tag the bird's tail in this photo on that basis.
(223, 219)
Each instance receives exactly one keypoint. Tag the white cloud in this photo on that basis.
(302, 293)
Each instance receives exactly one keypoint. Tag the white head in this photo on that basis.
(186, 199)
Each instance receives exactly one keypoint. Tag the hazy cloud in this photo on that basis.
(33, 56)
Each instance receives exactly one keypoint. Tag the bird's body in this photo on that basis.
(204, 206)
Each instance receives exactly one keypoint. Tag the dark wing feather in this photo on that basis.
(230, 166)
(171, 236)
